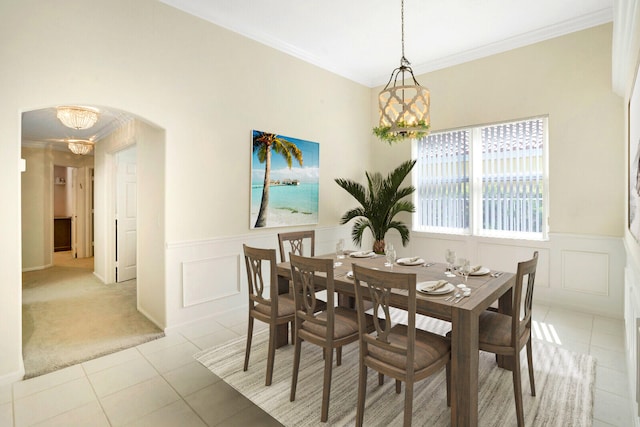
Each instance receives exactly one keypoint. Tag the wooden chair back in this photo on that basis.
(259, 277)
(295, 242)
(521, 311)
(303, 272)
(381, 287)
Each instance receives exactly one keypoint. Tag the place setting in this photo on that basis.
(435, 287)
(462, 267)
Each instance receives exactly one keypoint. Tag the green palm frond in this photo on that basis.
(380, 201)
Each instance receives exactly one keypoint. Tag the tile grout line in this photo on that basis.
(97, 397)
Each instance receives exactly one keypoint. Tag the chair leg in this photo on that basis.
(398, 386)
(248, 349)
(292, 325)
(326, 387)
(530, 363)
(408, 403)
(271, 353)
(362, 392)
(448, 379)
(296, 368)
(339, 356)
(517, 390)
(380, 378)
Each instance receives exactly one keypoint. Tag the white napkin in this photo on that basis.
(361, 254)
(434, 286)
(410, 261)
(475, 268)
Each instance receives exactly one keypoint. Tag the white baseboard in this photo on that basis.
(13, 377)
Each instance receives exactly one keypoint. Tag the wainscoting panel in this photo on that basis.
(579, 272)
(505, 257)
(632, 333)
(586, 272)
(210, 279)
(207, 277)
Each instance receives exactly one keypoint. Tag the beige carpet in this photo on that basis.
(564, 385)
(69, 317)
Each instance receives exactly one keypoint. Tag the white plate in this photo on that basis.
(442, 290)
(410, 261)
(362, 254)
(482, 271)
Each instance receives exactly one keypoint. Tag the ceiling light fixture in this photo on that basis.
(80, 146)
(404, 108)
(77, 117)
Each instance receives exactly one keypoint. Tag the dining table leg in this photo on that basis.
(464, 368)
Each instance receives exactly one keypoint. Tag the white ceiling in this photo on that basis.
(361, 39)
(42, 127)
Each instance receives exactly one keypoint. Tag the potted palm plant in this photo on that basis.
(380, 202)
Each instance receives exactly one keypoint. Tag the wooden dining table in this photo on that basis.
(463, 315)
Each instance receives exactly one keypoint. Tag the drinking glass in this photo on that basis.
(450, 256)
(340, 249)
(390, 253)
(465, 269)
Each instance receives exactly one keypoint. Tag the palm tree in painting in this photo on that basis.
(263, 145)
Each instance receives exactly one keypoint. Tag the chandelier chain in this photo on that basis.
(402, 27)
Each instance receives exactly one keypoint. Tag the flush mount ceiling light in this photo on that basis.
(77, 117)
(80, 146)
(404, 106)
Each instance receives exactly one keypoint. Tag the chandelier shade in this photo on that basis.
(77, 117)
(81, 147)
(403, 104)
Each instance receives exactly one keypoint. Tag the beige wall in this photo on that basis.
(567, 78)
(204, 86)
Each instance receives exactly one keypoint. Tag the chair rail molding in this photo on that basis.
(578, 272)
(206, 277)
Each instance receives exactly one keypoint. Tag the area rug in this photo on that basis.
(564, 386)
(69, 317)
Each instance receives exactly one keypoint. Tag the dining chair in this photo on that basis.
(505, 335)
(295, 243)
(333, 327)
(271, 308)
(400, 351)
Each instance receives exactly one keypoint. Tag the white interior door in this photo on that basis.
(126, 207)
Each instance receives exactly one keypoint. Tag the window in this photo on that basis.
(487, 180)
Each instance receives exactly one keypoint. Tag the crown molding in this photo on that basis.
(600, 17)
(625, 46)
(565, 27)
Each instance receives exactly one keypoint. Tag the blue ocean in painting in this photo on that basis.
(288, 204)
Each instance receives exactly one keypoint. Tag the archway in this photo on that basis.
(124, 129)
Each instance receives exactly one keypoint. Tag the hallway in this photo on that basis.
(69, 316)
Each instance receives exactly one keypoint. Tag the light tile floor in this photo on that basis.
(160, 384)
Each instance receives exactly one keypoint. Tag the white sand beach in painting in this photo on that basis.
(288, 204)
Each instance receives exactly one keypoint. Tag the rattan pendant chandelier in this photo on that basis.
(403, 103)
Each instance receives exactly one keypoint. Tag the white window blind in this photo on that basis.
(512, 177)
(443, 171)
(486, 180)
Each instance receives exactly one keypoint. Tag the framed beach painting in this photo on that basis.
(284, 180)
